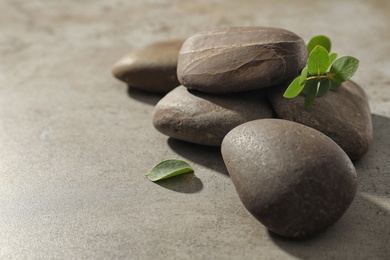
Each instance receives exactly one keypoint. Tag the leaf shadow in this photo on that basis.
(207, 156)
(184, 183)
(364, 230)
(143, 96)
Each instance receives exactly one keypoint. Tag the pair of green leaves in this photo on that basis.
(168, 168)
(316, 78)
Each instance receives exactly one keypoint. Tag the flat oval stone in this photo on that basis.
(343, 115)
(292, 178)
(205, 119)
(240, 58)
(151, 68)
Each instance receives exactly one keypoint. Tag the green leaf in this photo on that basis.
(302, 78)
(167, 169)
(311, 89)
(344, 68)
(334, 85)
(318, 61)
(293, 89)
(333, 57)
(324, 86)
(308, 85)
(321, 40)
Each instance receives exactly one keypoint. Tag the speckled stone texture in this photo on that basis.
(292, 178)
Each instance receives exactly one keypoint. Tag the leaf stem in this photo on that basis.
(327, 76)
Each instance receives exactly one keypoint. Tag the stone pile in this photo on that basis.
(294, 174)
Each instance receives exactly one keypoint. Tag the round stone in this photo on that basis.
(240, 58)
(292, 178)
(151, 68)
(205, 119)
(343, 115)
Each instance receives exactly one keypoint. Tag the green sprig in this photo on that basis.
(322, 73)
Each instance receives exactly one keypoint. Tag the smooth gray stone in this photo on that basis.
(240, 58)
(343, 115)
(151, 68)
(205, 119)
(292, 178)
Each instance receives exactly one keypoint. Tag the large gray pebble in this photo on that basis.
(292, 178)
(343, 115)
(205, 119)
(151, 68)
(240, 58)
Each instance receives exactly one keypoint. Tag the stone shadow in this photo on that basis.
(364, 231)
(208, 156)
(144, 96)
(374, 168)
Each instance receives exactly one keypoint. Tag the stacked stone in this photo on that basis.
(223, 75)
(294, 173)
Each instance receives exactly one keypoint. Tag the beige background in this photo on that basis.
(75, 143)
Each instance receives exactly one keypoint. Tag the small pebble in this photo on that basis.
(151, 68)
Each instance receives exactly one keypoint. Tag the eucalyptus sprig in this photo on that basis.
(316, 78)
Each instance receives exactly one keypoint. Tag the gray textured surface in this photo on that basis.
(75, 143)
